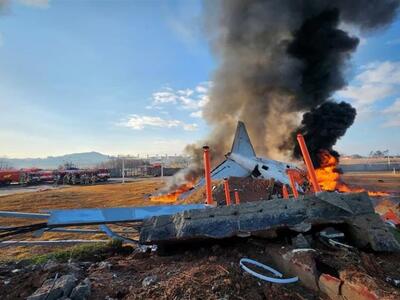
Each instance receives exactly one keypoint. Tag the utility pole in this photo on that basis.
(123, 170)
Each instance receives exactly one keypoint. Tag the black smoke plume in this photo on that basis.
(323, 126)
(279, 60)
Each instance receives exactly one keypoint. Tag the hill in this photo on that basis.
(82, 160)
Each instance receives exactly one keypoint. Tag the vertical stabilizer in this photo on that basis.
(241, 143)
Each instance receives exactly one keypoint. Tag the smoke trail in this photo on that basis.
(323, 126)
(278, 60)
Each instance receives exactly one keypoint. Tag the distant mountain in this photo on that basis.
(81, 160)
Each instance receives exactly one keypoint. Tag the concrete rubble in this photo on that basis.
(53, 289)
(263, 218)
(64, 287)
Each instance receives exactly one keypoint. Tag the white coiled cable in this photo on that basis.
(263, 277)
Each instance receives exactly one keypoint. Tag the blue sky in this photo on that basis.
(131, 77)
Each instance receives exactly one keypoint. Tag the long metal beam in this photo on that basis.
(49, 243)
(90, 216)
(16, 214)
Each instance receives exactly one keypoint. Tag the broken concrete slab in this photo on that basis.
(259, 218)
(330, 286)
(54, 289)
(300, 264)
(360, 286)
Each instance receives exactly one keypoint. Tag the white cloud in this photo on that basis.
(386, 72)
(190, 127)
(138, 122)
(393, 114)
(394, 108)
(376, 82)
(35, 3)
(164, 97)
(188, 99)
(367, 94)
(185, 92)
(197, 114)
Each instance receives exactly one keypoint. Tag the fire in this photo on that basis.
(174, 195)
(328, 176)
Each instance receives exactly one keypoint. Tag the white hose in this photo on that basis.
(263, 277)
(302, 250)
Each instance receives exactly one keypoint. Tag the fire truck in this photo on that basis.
(81, 176)
(68, 176)
(102, 174)
(8, 176)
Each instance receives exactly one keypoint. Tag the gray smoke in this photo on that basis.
(276, 61)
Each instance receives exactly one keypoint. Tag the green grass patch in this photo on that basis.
(88, 252)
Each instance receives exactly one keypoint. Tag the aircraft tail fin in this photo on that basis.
(242, 144)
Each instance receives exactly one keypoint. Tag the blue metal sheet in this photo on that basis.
(114, 215)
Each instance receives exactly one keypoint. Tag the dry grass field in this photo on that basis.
(374, 181)
(108, 195)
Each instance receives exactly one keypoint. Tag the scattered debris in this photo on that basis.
(149, 280)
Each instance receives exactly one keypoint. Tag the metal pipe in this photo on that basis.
(207, 174)
(308, 162)
(237, 199)
(15, 214)
(50, 243)
(227, 192)
(285, 193)
(293, 183)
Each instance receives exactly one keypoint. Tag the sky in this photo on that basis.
(131, 77)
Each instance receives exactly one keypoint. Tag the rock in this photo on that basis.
(73, 268)
(50, 265)
(51, 290)
(82, 290)
(330, 286)
(85, 264)
(392, 281)
(149, 280)
(300, 241)
(105, 265)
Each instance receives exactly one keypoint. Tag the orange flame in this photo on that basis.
(328, 176)
(173, 196)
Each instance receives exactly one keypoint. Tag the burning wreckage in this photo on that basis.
(247, 196)
(270, 197)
